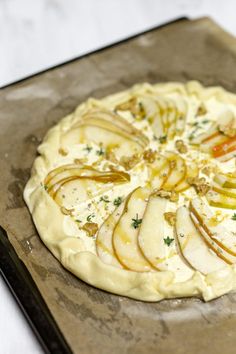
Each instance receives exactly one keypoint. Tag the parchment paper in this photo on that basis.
(91, 320)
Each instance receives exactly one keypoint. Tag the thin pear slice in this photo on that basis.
(228, 192)
(152, 113)
(172, 116)
(218, 233)
(219, 200)
(125, 236)
(193, 246)
(182, 109)
(159, 172)
(104, 244)
(220, 252)
(177, 173)
(153, 239)
(192, 172)
(226, 180)
(109, 135)
(56, 171)
(113, 122)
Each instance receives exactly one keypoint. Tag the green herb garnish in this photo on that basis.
(45, 187)
(136, 222)
(100, 152)
(77, 220)
(168, 241)
(88, 148)
(105, 199)
(163, 139)
(89, 217)
(234, 217)
(205, 121)
(117, 201)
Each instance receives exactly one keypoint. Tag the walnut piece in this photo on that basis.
(129, 162)
(149, 155)
(172, 195)
(201, 110)
(181, 147)
(62, 152)
(207, 170)
(170, 217)
(199, 184)
(90, 228)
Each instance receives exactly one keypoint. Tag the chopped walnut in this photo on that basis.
(90, 228)
(66, 211)
(111, 156)
(149, 155)
(207, 170)
(199, 184)
(129, 162)
(170, 217)
(172, 164)
(201, 110)
(80, 161)
(172, 195)
(181, 147)
(62, 152)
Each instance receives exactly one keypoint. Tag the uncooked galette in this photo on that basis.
(136, 193)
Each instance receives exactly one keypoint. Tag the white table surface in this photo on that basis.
(36, 34)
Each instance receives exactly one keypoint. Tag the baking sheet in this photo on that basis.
(92, 320)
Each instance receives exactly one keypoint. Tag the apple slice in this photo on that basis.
(228, 192)
(177, 172)
(192, 245)
(157, 241)
(125, 236)
(220, 201)
(191, 172)
(218, 233)
(104, 244)
(226, 180)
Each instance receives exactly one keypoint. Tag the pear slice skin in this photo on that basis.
(219, 200)
(125, 236)
(218, 233)
(192, 245)
(104, 244)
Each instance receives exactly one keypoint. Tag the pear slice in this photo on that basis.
(172, 116)
(226, 180)
(159, 172)
(113, 122)
(182, 109)
(228, 192)
(152, 114)
(192, 171)
(220, 252)
(125, 235)
(219, 200)
(218, 233)
(153, 238)
(104, 244)
(193, 246)
(177, 173)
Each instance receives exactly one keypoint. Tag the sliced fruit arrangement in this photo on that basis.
(220, 139)
(125, 234)
(177, 171)
(157, 240)
(226, 180)
(166, 116)
(71, 184)
(220, 239)
(107, 129)
(223, 191)
(193, 247)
